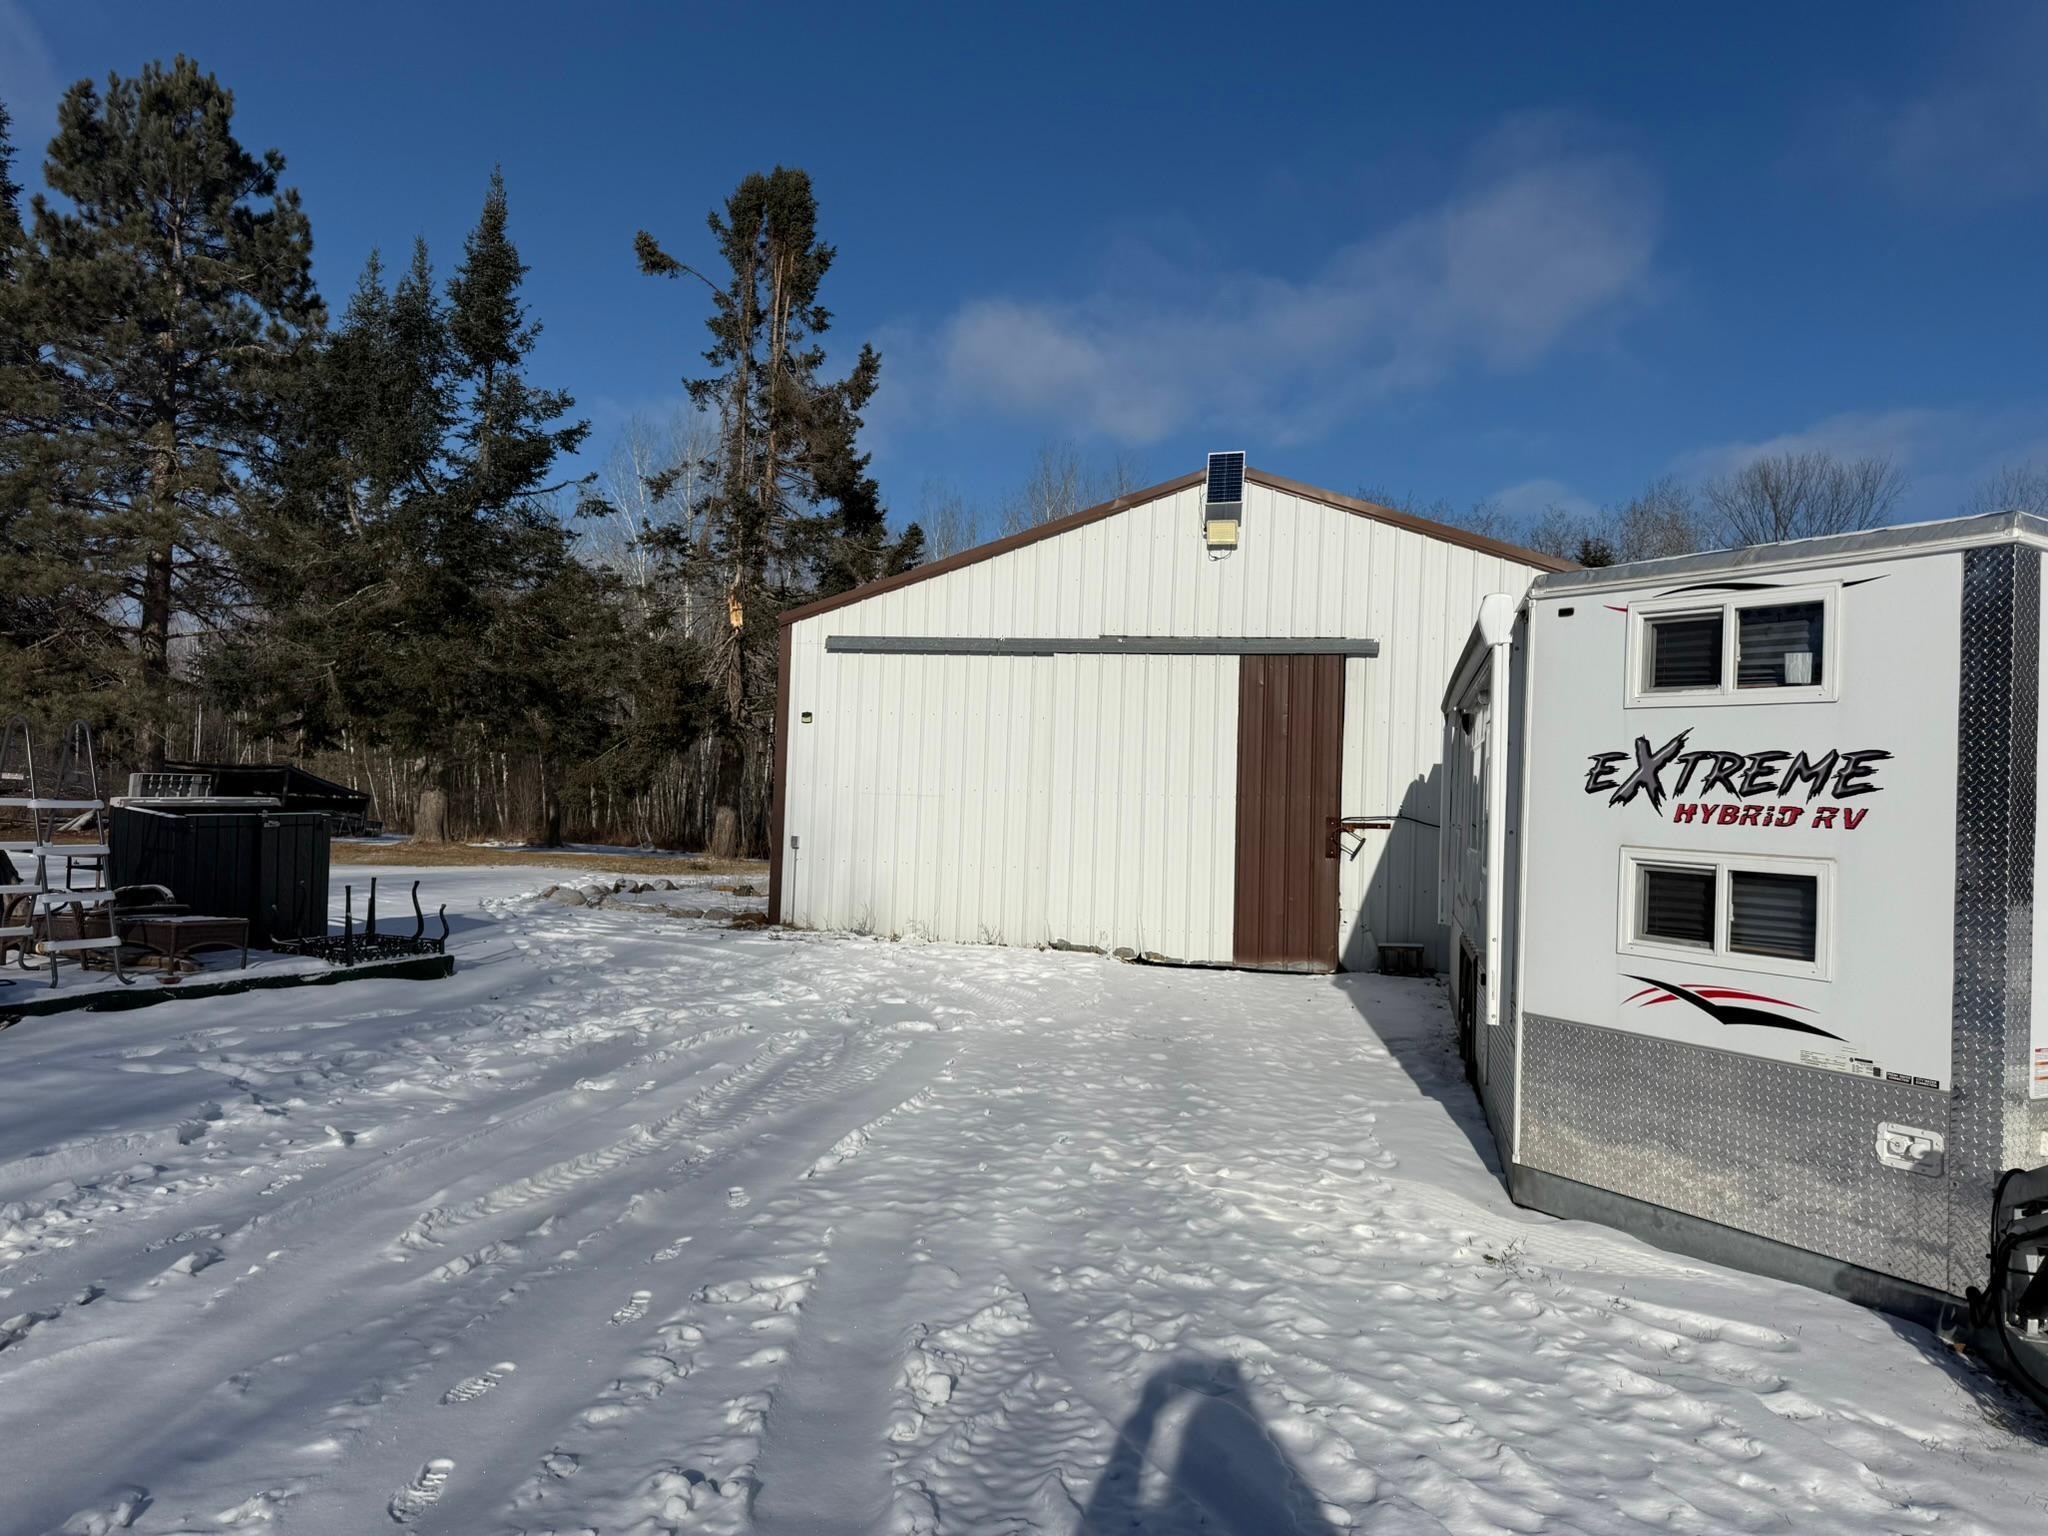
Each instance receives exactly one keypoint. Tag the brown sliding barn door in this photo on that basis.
(1290, 760)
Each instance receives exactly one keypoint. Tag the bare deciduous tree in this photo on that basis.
(949, 520)
(2015, 488)
(1062, 483)
(1664, 519)
(1803, 496)
(652, 481)
(1660, 521)
(1559, 532)
(1485, 517)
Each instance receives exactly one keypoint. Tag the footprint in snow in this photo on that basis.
(633, 1310)
(196, 1262)
(14, 1329)
(476, 1386)
(673, 1251)
(423, 1492)
(736, 1197)
(128, 1505)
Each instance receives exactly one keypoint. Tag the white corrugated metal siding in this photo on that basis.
(1144, 778)
(1091, 799)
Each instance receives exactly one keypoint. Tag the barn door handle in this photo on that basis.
(1336, 827)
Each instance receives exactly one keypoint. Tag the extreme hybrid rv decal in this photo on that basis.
(1762, 784)
(1858, 792)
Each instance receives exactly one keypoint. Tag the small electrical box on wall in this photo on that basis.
(1223, 501)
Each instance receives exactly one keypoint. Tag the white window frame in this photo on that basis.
(1718, 954)
(1638, 695)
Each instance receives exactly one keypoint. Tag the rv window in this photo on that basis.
(1684, 651)
(1677, 906)
(1779, 645)
(1773, 914)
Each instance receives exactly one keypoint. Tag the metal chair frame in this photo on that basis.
(74, 796)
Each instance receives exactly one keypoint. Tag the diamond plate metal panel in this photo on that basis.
(1497, 1079)
(1783, 1151)
(1993, 1125)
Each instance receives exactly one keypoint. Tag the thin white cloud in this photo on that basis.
(1946, 452)
(1902, 435)
(1977, 131)
(1532, 498)
(1541, 239)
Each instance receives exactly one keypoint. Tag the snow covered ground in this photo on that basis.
(713, 896)
(643, 1224)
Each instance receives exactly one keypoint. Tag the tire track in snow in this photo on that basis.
(160, 1192)
(430, 1228)
(347, 1189)
(434, 1326)
(486, 1297)
(855, 1141)
(636, 1452)
(358, 1188)
(775, 1079)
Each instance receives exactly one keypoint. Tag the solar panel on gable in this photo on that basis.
(1226, 477)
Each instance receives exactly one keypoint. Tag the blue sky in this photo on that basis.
(1523, 252)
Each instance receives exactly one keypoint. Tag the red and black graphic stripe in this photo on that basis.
(1750, 586)
(1725, 1005)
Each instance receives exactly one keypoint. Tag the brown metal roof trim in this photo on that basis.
(1412, 523)
(995, 547)
(1073, 520)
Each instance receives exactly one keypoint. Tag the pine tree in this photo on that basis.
(10, 200)
(55, 624)
(162, 301)
(328, 558)
(791, 510)
(16, 610)
(415, 585)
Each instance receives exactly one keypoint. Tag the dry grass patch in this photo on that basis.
(624, 861)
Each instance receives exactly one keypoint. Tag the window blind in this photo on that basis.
(1773, 914)
(1678, 905)
(1779, 646)
(1685, 651)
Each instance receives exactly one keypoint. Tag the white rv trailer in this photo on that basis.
(1739, 854)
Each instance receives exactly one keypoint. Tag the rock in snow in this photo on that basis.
(635, 1226)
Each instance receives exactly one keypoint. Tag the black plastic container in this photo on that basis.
(267, 866)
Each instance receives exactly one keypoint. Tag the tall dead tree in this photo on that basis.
(788, 509)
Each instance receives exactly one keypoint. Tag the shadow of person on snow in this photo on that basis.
(1194, 1455)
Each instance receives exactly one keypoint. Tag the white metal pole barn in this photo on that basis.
(1198, 723)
